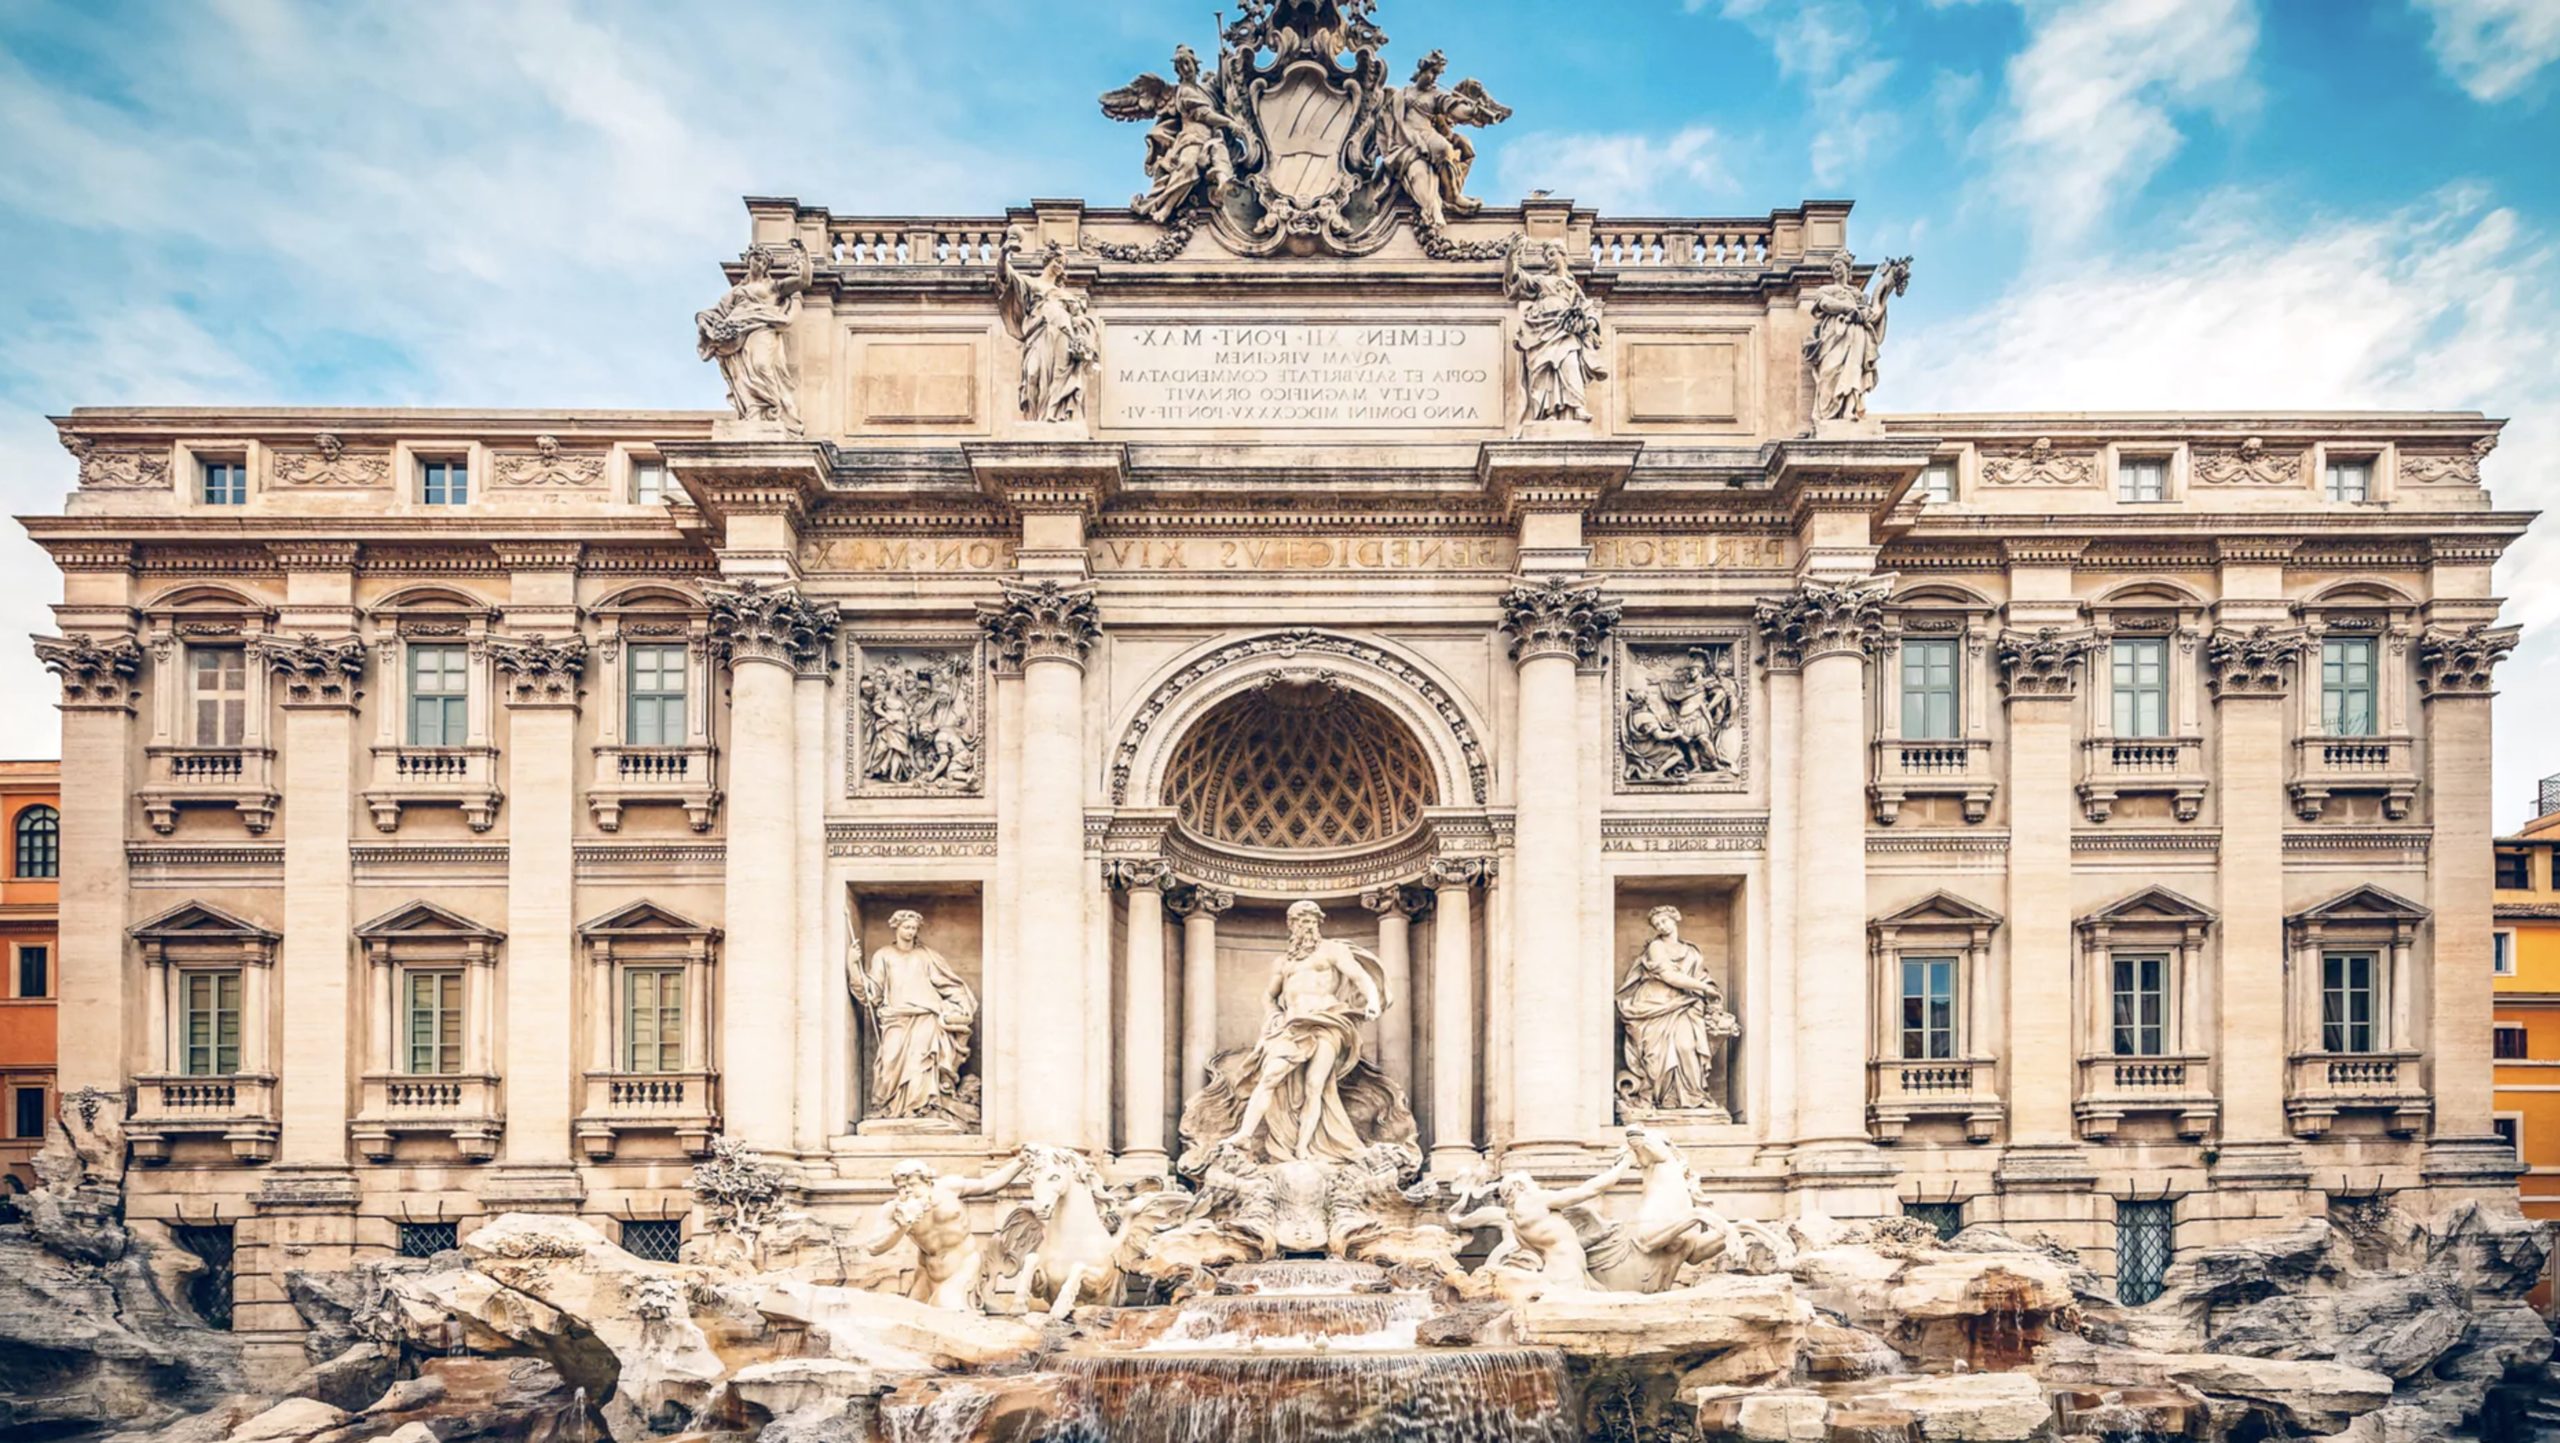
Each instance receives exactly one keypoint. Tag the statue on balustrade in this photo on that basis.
(1848, 335)
(932, 1212)
(1671, 1014)
(1192, 140)
(1303, 1092)
(744, 333)
(1061, 339)
(1420, 146)
(1559, 335)
(919, 1015)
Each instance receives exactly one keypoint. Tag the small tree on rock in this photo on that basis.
(741, 1191)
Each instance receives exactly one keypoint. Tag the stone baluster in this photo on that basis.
(1143, 1041)
(1199, 908)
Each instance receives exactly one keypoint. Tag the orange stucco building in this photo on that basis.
(30, 911)
(2527, 962)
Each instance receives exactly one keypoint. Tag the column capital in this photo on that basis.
(1399, 900)
(1462, 871)
(97, 672)
(2254, 663)
(1124, 874)
(2044, 663)
(541, 671)
(1041, 621)
(2458, 661)
(319, 673)
(1559, 616)
(756, 621)
(1198, 900)
(1821, 618)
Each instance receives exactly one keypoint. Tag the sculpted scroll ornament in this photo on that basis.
(2248, 464)
(94, 672)
(752, 621)
(1819, 619)
(2256, 662)
(540, 670)
(1559, 337)
(1061, 339)
(1559, 616)
(102, 470)
(328, 463)
(2439, 469)
(1042, 622)
(1848, 335)
(744, 332)
(316, 671)
(546, 466)
(2037, 464)
(2459, 662)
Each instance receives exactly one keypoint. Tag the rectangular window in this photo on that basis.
(425, 1240)
(657, 695)
(209, 1291)
(2142, 478)
(1946, 1219)
(2349, 1014)
(2347, 692)
(209, 1023)
(2502, 954)
(1937, 483)
(2146, 1241)
(2514, 1044)
(1928, 1008)
(2515, 871)
(219, 682)
(35, 971)
(1929, 711)
(653, 1019)
(653, 1240)
(225, 483)
(444, 482)
(2351, 479)
(2141, 666)
(435, 1023)
(2141, 1006)
(2510, 1130)
(439, 696)
(27, 1112)
(648, 480)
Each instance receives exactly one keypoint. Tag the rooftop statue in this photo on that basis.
(1559, 340)
(1848, 335)
(744, 333)
(1190, 140)
(1061, 339)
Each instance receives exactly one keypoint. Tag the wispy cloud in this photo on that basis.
(2494, 48)
(1630, 174)
(1829, 47)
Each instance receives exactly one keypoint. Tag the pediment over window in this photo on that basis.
(1939, 909)
(2364, 905)
(645, 919)
(196, 922)
(425, 921)
(2151, 907)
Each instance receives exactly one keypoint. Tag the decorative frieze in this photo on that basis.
(547, 465)
(2038, 464)
(2248, 464)
(541, 671)
(1682, 714)
(2043, 663)
(1820, 619)
(329, 463)
(1646, 834)
(96, 674)
(751, 621)
(927, 840)
(1045, 621)
(2438, 468)
(2458, 662)
(917, 723)
(316, 671)
(120, 469)
(2254, 663)
(1559, 616)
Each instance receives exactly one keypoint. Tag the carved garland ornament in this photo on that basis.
(2458, 469)
(316, 671)
(2037, 464)
(118, 470)
(751, 621)
(1819, 619)
(1290, 644)
(540, 670)
(1560, 616)
(328, 464)
(1044, 622)
(2248, 464)
(93, 673)
(2459, 663)
(2256, 662)
(2042, 663)
(547, 467)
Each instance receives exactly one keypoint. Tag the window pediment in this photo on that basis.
(2150, 907)
(1941, 910)
(425, 922)
(645, 919)
(2361, 904)
(196, 922)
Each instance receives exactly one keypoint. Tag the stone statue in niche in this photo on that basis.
(1671, 1014)
(1061, 339)
(1559, 337)
(1848, 335)
(932, 1212)
(920, 724)
(917, 1015)
(1680, 717)
(744, 333)
(1303, 1092)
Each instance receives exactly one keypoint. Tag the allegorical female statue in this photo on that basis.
(1559, 339)
(1670, 1013)
(744, 333)
(1061, 340)
(1848, 336)
(920, 1014)
(1302, 1092)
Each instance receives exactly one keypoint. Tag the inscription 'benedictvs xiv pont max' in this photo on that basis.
(931, 751)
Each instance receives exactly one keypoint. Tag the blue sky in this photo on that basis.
(2115, 204)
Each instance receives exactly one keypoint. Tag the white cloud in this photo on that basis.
(1623, 174)
(1828, 46)
(2094, 99)
(2428, 307)
(2492, 48)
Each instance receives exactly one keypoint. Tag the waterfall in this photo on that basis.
(951, 1416)
(1457, 1395)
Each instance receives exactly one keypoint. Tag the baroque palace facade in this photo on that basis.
(2070, 821)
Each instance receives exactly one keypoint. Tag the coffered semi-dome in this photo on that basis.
(1299, 765)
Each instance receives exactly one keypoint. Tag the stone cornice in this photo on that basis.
(1559, 616)
(97, 673)
(729, 479)
(752, 621)
(2044, 663)
(2456, 662)
(315, 555)
(2254, 663)
(318, 673)
(1043, 621)
(1821, 619)
(541, 671)
(1570, 477)
(1048, 478)
(538, 555)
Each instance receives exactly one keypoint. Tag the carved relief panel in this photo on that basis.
(1681, 708)
(915, 723)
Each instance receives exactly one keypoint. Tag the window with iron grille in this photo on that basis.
(1946, 1217)
(2146, 1239)
(209, 1291)
(654, 1240)
(425, 1240)
(39, 845)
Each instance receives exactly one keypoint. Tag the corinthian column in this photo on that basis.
(2040, 675)
(1556, 626)
(765, 635)
(2454, 666)
(1826, 632)
(540, 680)
(1044, 631)
(94, 990)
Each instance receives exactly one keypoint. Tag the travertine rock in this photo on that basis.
(2303, 1397)
(1719, 1315)
(894, 1333)
(288, 1421)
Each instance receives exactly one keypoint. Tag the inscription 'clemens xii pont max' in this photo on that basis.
(1348, 375)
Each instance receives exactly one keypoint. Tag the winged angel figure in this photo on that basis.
(1191, 139)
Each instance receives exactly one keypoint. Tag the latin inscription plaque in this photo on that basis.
(1280, 374)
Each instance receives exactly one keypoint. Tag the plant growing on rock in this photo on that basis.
(741, 1191)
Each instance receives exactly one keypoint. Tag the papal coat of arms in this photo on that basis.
(1298, 141)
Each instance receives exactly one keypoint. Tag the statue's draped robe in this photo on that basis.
(923, 1016)
(1359, 1105)
(1669, 1042)
(1060, 343)
(1843, 350)
(1555, 348)
(744, 334)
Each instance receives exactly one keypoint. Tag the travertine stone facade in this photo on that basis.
(2065, 809)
